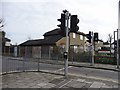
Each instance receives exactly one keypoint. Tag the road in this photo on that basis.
(9, 65)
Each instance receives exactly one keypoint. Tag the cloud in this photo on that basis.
(29, 1)
(35, 17)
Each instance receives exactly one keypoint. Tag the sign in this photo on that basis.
(104, 51)
(7, 43)
(94, 53)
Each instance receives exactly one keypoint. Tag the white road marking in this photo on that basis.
(100, 69)
(94, 77)
(80, 80)
(62, 69)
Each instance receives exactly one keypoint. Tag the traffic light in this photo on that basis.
(89, 37)
(62, 25)
(73, 23)
(95, 37)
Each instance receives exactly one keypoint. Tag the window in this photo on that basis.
(74, 35)
(75, 49)
(62, 46)
(81, 37)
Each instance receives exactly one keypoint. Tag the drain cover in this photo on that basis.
(56, 81)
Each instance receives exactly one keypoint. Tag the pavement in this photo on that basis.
(73, 63)
(48, 80)
(51, 80)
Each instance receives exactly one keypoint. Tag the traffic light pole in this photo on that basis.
(114, 47)
(92, 49)
(67, 42)
(117, 50)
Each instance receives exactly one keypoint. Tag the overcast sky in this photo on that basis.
(32, 18)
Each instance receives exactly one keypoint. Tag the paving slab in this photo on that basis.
(76, 84)
(56, 81)
(106, 86)
(49, 85)
(87, 85)
(96, 85)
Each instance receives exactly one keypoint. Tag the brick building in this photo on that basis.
(53, 44)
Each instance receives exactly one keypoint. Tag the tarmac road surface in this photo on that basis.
(9, 65)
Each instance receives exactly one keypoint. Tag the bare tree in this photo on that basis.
(110, 37)
(1, 23)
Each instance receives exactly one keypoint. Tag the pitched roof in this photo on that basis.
(53, 32)
(39, 42)
(57, 31)
(81, 33)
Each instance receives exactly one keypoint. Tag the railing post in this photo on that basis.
(9, 50)
(6, 65)
(38, 65)
(23, 65)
